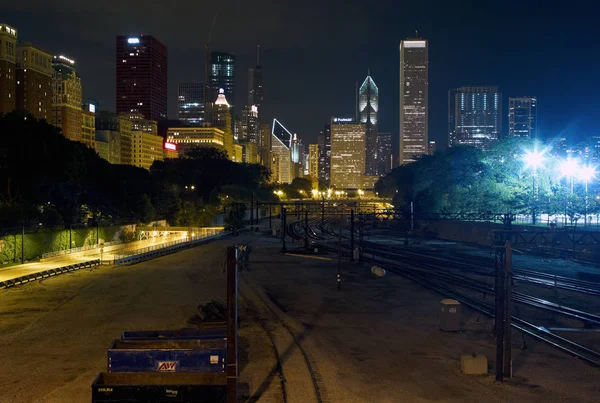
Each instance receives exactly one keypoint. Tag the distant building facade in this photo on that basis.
(476, 115)
(67, 98)
(414, 108)
(34, 81)
(522, 117)
(88, 128)
(347, 153)
(187, 137)
(368, 108)
(384, 153)
(142, 76)
(220, 75)
(190, 103)
(324, 141)
(281, 154)
(250, 129)
(8, 69)
(313, 164)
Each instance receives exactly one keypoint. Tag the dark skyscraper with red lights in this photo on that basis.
(142, 76)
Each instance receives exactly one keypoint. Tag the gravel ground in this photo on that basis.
(377, 340)
(54, 333)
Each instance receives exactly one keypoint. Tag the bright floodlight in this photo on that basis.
(586, 173)
(569, 167)
(534, 159)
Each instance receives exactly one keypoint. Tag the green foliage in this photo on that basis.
(47, 179)
(464, 179)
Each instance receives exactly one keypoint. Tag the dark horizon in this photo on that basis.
(313, 54)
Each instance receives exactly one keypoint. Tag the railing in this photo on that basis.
(80, 249)
(48, 273)
(168, 247)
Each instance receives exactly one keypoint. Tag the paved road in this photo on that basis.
(54, 333)
(71, 258)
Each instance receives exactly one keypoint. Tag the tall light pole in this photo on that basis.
(586, 174)
(534, 159)
(568, 169)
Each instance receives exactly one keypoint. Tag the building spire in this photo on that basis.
(416, 34)
(369, 71)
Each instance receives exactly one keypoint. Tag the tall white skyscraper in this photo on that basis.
(368, 107)
(414, 67)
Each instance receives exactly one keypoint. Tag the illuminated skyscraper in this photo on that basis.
(313, 164)
(220, 75)
(384, 153)
(255, 85)
(414, 66)
(249, 125)
(66, 99)
(34, 81)
(347, 153)
(476, 113)
(281, 143)
(190, 103)
(522, 117)
(368, 106)
(142, 76)
(221, 118)
(8, 68)
(324, 141)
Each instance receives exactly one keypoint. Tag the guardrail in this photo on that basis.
(80, 249)
(163, 249)
(48, 273)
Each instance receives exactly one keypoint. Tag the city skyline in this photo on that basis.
(453, 63)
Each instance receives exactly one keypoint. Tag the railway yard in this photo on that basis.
(304, 336)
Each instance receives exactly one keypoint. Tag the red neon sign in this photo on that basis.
(171, 146)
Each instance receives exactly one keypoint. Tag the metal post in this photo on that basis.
(70, 241)
(533, 212)
(351, 235)
(360, 237)
(98, 231)
(322, 214)
(270, 218)
(412, 217)
(306, 228)
(232, 371)
(23, 244)
(252, 210)
(339, 274)
(507, 312)
(283, 228)
(499, 312)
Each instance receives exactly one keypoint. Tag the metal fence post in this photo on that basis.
(351, 235)
(232, 370)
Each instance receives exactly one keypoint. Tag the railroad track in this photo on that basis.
(430, 274)
(311, 365)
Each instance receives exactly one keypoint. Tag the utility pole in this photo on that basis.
(351, 235)
(233, 255)
(270, 218)
(322, 214)
(339, 274)
(23, 244)
(283, 228)
(360, 236)
(70, 231)
(252, 210)
(306, 228)
(507, 310)
(499, 289)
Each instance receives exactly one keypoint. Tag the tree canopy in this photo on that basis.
(49, 179)
(464, 179)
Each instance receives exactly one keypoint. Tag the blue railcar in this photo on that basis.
(167, 355)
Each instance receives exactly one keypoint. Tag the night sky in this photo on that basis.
(313, 52)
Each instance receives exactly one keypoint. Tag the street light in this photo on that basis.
(586, 174)
(534, 159)
(568, 169)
